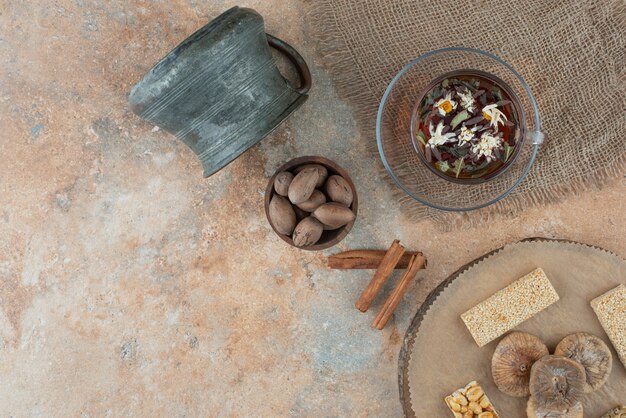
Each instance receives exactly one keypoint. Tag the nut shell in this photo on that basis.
(307, 232)
(592, 353)
(338, 190)
(534, 411)
(282, 182)
(300, 214)
(282, 215)
(317, 198)
(321, 171)
(512, 360)
(556, 383)
(334, 215)
(302, 185)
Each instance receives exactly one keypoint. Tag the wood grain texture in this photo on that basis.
(427, 347)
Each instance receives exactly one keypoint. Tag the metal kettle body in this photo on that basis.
(220, 91)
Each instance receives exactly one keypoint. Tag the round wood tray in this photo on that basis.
(438, 373)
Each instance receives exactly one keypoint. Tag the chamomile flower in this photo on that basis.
(437, 138)
(467, 134)
(493, 115)
(486, 145)
(445, 105)
(467, 100)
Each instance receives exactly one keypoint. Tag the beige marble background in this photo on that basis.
(132, 286)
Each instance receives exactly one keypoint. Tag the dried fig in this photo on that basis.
(556, 383)
(534, 411)
(334, 215)
(307, 232)
(302, 185)
(282, 215)
(321, 171)
(512, 361)
(317, 198)
(338, 190)
(282, 182)
(592, 353)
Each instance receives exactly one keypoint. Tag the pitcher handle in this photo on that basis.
(296, 59)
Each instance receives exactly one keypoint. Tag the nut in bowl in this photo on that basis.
(311, 203)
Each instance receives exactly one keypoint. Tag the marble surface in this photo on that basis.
(132, 286)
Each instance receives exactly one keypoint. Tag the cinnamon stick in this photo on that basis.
(365, 259)
(384, 270)
(416, 263)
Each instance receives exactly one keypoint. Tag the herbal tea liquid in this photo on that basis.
(466, 126)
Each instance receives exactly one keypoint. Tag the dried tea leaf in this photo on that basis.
(478, 93)
(460, 117)
(455, 150)
(497, 94)
(469, 86)
(442, 166)
(474, 120)
(508, 150)
(470, 168)
(436, 153)
(420, 137)
(428, 154)
(458, 166)
(445, 83)
(460, 152)
(437, 91)
(425, 113)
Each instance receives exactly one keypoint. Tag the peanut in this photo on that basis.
(474, 394)
(454, 406)
(462, 400)
(470, 402)
(475, 408)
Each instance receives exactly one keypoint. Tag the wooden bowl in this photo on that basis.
(329, 238)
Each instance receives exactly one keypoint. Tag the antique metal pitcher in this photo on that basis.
(219, 91)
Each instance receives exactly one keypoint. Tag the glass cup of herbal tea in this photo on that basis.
(467, 126)
(458, 129)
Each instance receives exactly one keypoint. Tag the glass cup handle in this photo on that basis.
(296, 59)
(536, 137)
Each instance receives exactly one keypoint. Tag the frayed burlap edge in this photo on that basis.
(332, 46)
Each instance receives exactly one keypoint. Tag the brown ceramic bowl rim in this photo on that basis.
(332, 168)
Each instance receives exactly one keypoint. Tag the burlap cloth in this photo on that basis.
(439, 354)
(572, 54)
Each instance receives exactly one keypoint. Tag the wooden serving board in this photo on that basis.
(439, 355)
